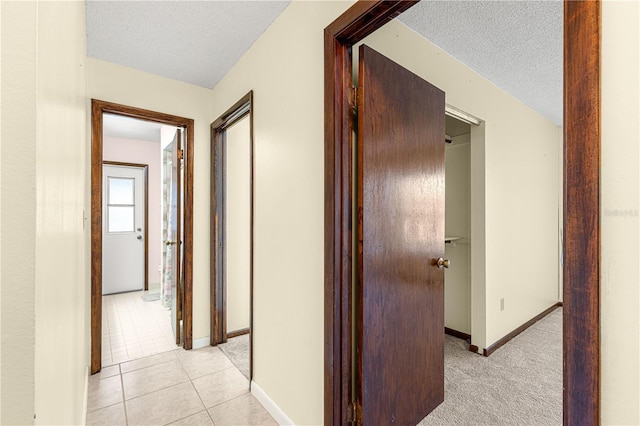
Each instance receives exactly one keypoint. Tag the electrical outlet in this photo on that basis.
(502, 304)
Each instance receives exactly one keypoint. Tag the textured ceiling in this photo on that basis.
(515, 44)
(192, 41)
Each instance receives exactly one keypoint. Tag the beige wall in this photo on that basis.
(44, 303)
(620, 188)
(61, 286)
(238, 221)
(285, 70)
(17, 229)
(457, 288)
(115, 83)
(1, 137)
(520, 182)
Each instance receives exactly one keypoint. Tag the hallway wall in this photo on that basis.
(285, 70)
(620, 217)
(115, 83)
(44, 286)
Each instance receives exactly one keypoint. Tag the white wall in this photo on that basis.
(238, 221)
(521, 178)
(115, 83)
(620, 188)
(457, 288)
(44, 303)
(143, 152)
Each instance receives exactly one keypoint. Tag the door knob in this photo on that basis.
(443, 263)
(169, 243)
(139, 237)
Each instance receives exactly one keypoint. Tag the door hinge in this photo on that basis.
(180, 154)
(353, 99)
(354, 413)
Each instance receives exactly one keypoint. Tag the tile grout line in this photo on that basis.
(157, 390)
(124, 401)
(188, 379)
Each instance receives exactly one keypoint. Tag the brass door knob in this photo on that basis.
(443, 263)
(169, 243)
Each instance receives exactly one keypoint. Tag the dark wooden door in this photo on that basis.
(400, 290)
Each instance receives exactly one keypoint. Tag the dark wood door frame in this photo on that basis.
(145, 168)
(581, 352)
(98, 108)
(218, 303)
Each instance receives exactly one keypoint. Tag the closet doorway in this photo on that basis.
(458, 279)
(232, 151)
(141, 233)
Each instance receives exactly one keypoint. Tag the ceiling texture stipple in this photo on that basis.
(195, 42)
(517, 45)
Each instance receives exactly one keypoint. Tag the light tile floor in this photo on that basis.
(133, 328)
(197, 387)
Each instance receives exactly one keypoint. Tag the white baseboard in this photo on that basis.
(273, 409)
(86, 396)
(201, 342)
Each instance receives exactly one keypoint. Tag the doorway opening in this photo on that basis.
(141, 233)
(232, 173)
(581, 277)
(135, 322)
(458, 280)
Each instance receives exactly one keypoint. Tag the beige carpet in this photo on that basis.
(237, 350)
(519, 384)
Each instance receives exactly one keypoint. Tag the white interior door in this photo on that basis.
(123, 217)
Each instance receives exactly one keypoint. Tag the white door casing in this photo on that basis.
(123, 224)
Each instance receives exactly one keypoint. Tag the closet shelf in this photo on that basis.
(450, 239)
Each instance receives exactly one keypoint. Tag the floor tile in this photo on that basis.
(244, 410)
(148, 361)
(200, 362)
(164, 406)
(200, 419)
(108, 416)
(127, 321)
(221, 386)
(104, 392)
(106, 371)
(150, 379)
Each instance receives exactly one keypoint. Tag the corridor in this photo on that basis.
(197, 387)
